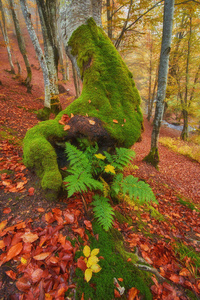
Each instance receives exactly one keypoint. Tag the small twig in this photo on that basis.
(152, 270)
(84, 205)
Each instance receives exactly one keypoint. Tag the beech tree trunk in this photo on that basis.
(5, 36)
(21, 44)
(153, 156)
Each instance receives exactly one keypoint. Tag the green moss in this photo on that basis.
(121, 219)
(113, 266)
(153, 157)
(109, 93)
(187, 203)
(186, 251)
(10, 135)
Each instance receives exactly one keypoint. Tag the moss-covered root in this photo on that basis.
(153, 157)
(44, 113)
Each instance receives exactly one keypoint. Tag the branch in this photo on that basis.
(185, 2)
(116, 11)
(152, 270)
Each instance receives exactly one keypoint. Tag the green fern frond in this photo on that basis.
(122, 157)
(76, 157)
(103, 211)
(81, 182)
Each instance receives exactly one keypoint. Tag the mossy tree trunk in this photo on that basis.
(153, 157)
(108, 110)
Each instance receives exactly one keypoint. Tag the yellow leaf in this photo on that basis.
(95, 252)
(110, 169)
(3, 224)
(95, 268)
(88, 274)
(23, 261)
(100, 156)
(86, 251)
(92, 260)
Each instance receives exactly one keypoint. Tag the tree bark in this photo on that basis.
(5, 36)
(109, 18)
(39, 53)
(153, 156)
(21, 44)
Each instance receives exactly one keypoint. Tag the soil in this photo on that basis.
(22, 198)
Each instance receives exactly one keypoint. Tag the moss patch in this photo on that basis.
(153, 157)
(109, 93)
(113, 266)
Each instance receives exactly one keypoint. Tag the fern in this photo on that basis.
(134, 188)
(77, 159)
(103, 212)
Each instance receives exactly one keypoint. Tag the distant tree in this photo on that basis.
(153, 156)
(5, 36)
(21, 44)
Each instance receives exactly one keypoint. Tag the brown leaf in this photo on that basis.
(185, 272)
(144, 247)
(69, 218)
(81, 264)
(88, 224)
(3, 225)
(133, 292)
(57, 211)
(117, 294)
(2, 244)
(49, 218)
(80, 231)
(6, 210)
(23, 284)
(115, 121)
(29, 237)
(42, 256)
(14, 251)
(40, 209)
(175, 278)
(146, 257)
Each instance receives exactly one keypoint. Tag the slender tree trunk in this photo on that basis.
(150, 78)
(21, 44)
(5, 36)
(185, 133)
(76, 82)
(153, 156)
(109, 19)
(38, 50)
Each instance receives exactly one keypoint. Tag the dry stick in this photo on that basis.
(84, 205)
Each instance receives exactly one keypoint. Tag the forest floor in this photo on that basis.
(167, 235)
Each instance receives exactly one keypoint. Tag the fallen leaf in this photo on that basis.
(120, 279)
(92, 122)
(67, 127)
(80, 231)
(11, 274)
(115, 121)
(36, 275)
(23, 284)
(3, 225)
(49, 218)
(88, 224)
(175, 278)
(81, 264)
(14, 251)
(2, 244)
(89, 101)
(88, 274)
(69, 218)
(6, 210)
(40, 209)
(133, 292)
(42, 256)
(31, 191)
(185, 272)
(144, 247)
(29, 237)
(117, 294)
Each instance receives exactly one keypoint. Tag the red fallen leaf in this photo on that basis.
(14, 251)
(29, 237)
(101, 257)
(64, 120)
(20, 225)
(80, 231)
(168, 286)
(11, 274)
(6, 210)
(57, 211)
(144, 247)
(54, 260)
(40, 209)
(27, 248)
(68, 246)
(81, 264)
(59, 220)
(17, 238)
(20, 185)
(117, 294)
(82, 297)
(175, 278)
(115, 121)
(67, 257)
(23, 284)
(133, 292)
(42, 256)
(69, 218)
(36, 275)
(31, 191)
(88, 224)
(120, 279)
(129, 259)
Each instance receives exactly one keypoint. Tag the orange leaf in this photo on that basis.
(40, 209)
(92, 122)
(117, 294)
(54, 260)
(69, 218)
(67, 127)
(6, 210)
(3, 224)
(185, 272)
(2, 244)
(175, 278)
(145, 256)
(144, 247)
(133, 292)
(115, 121)
(31, 191)
(88, 224)
(29, 237)
(80, 231)
(23, 284)
(49, 218)
(129, 259)
(82, 297)
(14, 251)
(11, 274)
(57, 211)
(81, 264)
(42, 256)
(120, 279)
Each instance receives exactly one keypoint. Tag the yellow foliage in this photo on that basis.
(110, 169)
(100, 156)
(91, 261)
